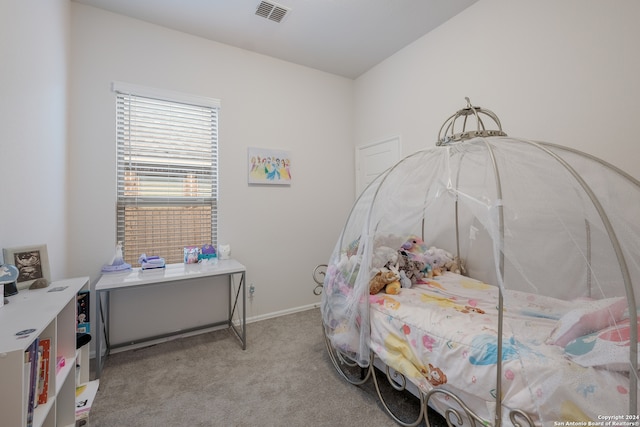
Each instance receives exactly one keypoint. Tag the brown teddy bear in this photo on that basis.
(387, 279)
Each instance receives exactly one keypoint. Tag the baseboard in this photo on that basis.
(249, 320)
(280, 313)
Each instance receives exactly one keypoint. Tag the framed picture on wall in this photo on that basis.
(266, 166)
(32, 263)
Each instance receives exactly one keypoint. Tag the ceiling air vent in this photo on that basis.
(272, 11)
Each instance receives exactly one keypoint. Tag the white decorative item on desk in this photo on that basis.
(117, 262)
(151, 262)
(224, 251)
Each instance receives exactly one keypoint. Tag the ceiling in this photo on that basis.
(343, 37)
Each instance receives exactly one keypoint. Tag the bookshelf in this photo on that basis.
(32, 316)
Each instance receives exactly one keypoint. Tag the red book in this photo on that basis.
(43, 384)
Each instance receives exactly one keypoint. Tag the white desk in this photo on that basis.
(136, 278)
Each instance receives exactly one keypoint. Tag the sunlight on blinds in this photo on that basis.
(167, 175)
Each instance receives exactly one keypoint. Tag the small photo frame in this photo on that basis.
(266, 166)
(32, 263)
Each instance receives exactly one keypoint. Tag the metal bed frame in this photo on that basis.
(357, 375)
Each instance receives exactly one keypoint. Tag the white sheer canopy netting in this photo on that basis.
(524, 216)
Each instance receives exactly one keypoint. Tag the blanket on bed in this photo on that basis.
(444, 334)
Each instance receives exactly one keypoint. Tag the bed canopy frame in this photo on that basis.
(459, 131)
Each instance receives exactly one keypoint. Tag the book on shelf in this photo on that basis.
(43, 376)
(31, 357)
(85, 394)
(82, 312)
(38, 366)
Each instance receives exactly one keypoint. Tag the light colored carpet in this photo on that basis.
(283, 378)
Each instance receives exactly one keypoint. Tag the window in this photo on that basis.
(167, 172)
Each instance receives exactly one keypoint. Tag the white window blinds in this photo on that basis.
(167, 172)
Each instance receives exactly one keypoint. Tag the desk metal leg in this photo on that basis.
(98, 334)
(230, 308)
(242, 287)
(102, 328)
(244, 312)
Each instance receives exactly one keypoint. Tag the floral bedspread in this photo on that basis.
(443, 334)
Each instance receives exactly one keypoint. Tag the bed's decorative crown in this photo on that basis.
(448, 134)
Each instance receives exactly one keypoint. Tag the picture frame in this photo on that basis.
(268, 166)
(32, 263)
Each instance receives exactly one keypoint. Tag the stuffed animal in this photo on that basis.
(438, 259)
(455, 265)
(387, 279)
(352, 249)
(347, 267)
(346, 263)
(393, 288)
(411, 271)
(415, 248)
(384, 256)
(389, 240)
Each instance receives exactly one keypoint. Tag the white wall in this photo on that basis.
(559, 71)
(563, 72)
(279, 233)
(34, 46)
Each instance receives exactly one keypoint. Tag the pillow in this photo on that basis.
(590, 317)
(608, 348)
